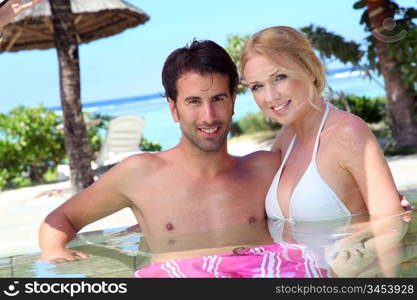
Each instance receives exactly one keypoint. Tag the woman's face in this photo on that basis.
(279, 95)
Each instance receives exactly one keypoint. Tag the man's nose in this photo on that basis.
(209, 112)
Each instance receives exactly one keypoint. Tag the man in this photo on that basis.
(195, 186)
(194, 199)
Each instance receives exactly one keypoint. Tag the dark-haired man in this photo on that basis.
(196, 205)
(195, 186)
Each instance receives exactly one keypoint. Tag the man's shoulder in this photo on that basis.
(262, 159)
(143, 161)
(259, 155)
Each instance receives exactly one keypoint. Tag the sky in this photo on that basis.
(130, 64)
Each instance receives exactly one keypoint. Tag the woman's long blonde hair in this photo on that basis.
(286, 42)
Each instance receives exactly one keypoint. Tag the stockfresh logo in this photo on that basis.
(12, 290)
(389, 25)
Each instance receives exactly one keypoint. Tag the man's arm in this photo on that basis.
(105, 197)
(54, 234)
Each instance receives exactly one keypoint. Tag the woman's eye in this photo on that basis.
(255, 87)
(280, 77)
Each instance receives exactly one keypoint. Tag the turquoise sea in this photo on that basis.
(160, 128)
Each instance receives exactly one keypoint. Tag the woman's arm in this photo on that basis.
(364, 160)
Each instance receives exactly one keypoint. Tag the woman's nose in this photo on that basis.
(272, 93)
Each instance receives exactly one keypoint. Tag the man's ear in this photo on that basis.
(173, 109)
(234, 102)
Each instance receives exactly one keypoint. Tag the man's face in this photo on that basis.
(204, 109)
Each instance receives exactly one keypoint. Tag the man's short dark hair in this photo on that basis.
(203, 57)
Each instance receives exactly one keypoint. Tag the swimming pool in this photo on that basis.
(113, 253)
(117, 252)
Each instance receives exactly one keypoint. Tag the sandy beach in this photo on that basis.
(22, 210)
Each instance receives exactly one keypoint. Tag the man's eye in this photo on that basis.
(218, 99)
(193, 101)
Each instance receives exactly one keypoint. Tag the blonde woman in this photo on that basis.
(332, 164)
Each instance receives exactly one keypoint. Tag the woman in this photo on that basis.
(333, 165)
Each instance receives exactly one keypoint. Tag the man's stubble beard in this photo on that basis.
(210, 146)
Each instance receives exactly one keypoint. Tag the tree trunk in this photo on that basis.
(76, 140)
(400, 102)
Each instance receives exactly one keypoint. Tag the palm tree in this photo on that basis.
(401, 103)
(76, 140)
(63, 24)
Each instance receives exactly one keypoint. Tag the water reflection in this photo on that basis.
(349, 247)
(346, 247)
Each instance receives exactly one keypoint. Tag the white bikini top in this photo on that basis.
(312, 198)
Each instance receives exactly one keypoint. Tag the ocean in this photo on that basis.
(160, 128)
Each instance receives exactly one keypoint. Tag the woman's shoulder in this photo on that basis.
(348, 132)
(343, 123)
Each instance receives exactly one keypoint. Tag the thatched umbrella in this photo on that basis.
(93, 19)
(64, 24)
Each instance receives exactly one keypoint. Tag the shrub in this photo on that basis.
(30, 145)
(371, 110)
(252, 123)
(146, 145)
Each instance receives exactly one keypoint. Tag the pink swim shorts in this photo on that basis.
(281, 260)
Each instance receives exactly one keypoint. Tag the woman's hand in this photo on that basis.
(407, 208)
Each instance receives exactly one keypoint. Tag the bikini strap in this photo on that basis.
(316, 145)
(287, 154)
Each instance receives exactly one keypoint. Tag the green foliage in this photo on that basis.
(50, 176)
(235, 130)
(333, 46)
(252, 123)
(359, 4)
(406, 53)
(146, 145)
(371, 110)
(404, 50)
(235, 44)
(21, 182)
(30, 145)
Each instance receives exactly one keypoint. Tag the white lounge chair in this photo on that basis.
(122, 140)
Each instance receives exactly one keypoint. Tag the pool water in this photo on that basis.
(113, 253)
(118, 252)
